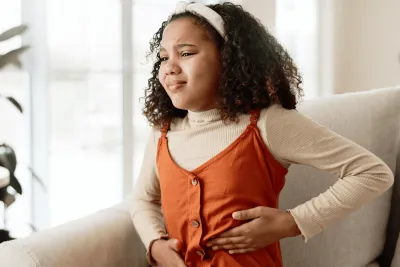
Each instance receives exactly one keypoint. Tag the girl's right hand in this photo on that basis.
(166, 253)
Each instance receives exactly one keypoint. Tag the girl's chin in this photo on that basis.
(179, 101)
(179, 104)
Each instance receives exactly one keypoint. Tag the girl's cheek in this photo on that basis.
(161, 78)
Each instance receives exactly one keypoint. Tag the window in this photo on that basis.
(296, 29)
(85, 86)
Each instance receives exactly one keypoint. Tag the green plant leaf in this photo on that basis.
(36, 177)
(13, 32)
(8, 159)
(15, 103)
(14, 183)
(12, 57)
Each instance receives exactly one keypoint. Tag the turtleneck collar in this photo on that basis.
(203, 117)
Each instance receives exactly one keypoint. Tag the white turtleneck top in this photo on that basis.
(292, 138)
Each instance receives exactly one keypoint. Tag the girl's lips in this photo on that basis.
(174, 82)
(176, 85)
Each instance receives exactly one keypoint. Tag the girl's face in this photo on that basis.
(190, 67)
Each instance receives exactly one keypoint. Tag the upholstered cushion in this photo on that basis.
(370, 119)
(104, 239)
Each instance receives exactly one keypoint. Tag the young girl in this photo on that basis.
(222, 101)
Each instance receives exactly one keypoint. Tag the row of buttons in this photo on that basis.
(196, 224)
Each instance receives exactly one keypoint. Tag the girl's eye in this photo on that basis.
(186, 54)
(163, 58)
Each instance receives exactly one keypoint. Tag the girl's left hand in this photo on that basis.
(267, 225)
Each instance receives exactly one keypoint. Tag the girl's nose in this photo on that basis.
(173, 67)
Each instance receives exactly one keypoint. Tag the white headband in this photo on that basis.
(210, 15)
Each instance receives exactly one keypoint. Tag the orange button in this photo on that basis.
(195, 224)
(200, 253)
(195, 181)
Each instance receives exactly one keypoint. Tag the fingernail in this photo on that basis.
(208, 245)
(231, 251)
(214, 247)
(235, 215)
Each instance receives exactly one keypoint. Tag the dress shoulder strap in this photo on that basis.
(255, 114)
(165, 128)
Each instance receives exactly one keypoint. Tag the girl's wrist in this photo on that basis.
(150, 253)
(291, 225)
(152, 250)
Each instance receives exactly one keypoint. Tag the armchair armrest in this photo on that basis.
(104, 239)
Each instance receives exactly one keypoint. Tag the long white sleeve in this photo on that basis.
(146, 204)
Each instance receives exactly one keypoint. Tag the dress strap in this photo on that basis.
(164, 129)
(255, 114)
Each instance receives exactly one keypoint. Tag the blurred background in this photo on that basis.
(82, 131)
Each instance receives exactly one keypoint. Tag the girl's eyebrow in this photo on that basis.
(162, 49)
(185, 45)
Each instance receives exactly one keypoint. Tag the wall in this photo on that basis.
(366, 50)
(264, 10)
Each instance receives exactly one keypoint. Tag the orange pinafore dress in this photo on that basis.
(198, 205)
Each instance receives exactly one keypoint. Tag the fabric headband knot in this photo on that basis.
(207, 13)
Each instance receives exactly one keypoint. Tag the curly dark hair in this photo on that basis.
(256, 71)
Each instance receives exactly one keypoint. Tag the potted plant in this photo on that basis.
(8, 158)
